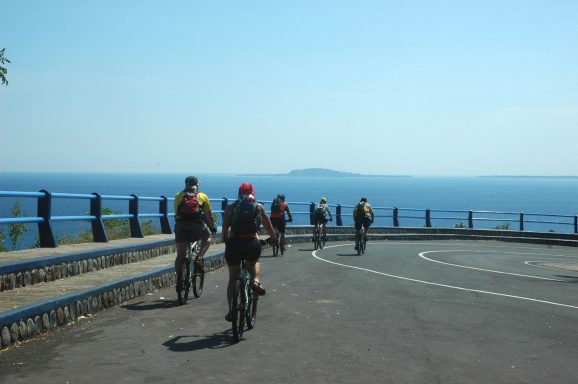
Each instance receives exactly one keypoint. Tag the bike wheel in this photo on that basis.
(363, 243)
(276, 248)
(252, 309)
(358, 245)
(198, 281)
(236, 311)
(183, 294)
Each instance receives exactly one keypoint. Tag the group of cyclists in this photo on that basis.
(241, 221)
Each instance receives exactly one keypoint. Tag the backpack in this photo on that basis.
(190, 208)
(245, 218)
(276, 205)
(361, 211)
(320, 212)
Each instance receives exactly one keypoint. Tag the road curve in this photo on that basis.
(404, 312)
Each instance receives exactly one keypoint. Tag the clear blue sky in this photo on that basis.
(449, 88)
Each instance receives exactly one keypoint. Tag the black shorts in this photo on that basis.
(237, 248)
(187, 230)
(366, 222)
(279, 223)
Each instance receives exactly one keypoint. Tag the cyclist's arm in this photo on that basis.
(329, 211)
(289, 216)
(227, 222)
(266, 222)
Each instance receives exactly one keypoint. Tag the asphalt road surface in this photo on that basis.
(404, 312)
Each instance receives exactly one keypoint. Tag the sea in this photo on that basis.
(500, 199)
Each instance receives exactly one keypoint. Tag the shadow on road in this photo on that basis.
(216, 341)
(148, 305)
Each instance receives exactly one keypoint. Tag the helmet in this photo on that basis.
(281, 196)
(323, 200)
(191, 181)
(364, 199)
(246, 189)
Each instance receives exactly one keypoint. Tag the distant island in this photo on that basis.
(322, 172)
(529, 177)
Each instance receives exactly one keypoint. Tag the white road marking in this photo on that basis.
(314, 254)
(422, 255)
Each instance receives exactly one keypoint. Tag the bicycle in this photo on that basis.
(244, 303)
(318, 238)
(277, 244)
(360, 241)
(193, 273)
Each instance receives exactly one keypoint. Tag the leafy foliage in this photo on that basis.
(16, 230)
(3, 69)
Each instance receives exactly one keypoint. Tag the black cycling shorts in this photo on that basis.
(279, 223)
(187, 230)
(366, 222)
(237, 248)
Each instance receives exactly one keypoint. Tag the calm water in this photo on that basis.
(529, 195)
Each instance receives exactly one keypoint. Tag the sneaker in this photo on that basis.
(257, 287)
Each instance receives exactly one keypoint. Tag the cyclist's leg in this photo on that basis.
(252, 252)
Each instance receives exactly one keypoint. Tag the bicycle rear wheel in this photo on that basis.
(183, 294)
(358, 244)
(236, 312)
(275, 247)
(252, 309)
(198, 281)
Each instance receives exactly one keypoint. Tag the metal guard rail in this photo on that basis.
(44, 216)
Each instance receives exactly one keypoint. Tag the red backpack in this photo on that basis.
(190, 207)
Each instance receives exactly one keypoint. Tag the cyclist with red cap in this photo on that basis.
(241, 222)
(192, 210)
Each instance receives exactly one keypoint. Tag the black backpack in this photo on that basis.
(246, 217)
(360, 211)
(276, 205)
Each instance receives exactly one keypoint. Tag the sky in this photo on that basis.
(425, 88)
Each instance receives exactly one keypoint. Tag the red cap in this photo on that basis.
(246, 189)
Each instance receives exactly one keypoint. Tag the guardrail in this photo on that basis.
(44, 217)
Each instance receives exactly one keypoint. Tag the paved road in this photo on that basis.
(405, 312)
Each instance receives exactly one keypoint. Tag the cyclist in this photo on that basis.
(278, 209)
(241, 222)
(320, 217)
(363, 216)
(192, 209)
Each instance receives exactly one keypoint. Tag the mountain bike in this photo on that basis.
(193, 273)
(244, 304)
(318, 238)
(360, 241)
(277, 244)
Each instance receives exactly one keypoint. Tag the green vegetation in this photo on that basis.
(460, 225)
(115, 229)
(3, 69)
(504, 227)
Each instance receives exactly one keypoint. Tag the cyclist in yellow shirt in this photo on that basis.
(192, 210)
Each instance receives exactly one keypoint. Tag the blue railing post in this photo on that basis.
(135, 229)
(224, 205)
(45, 233)
(521, 221)
(311, 212)
(164, 211)
(427, 218)
(575, 224)
(470, 219)
(98, 232)
(395, 217)
(339, 220)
